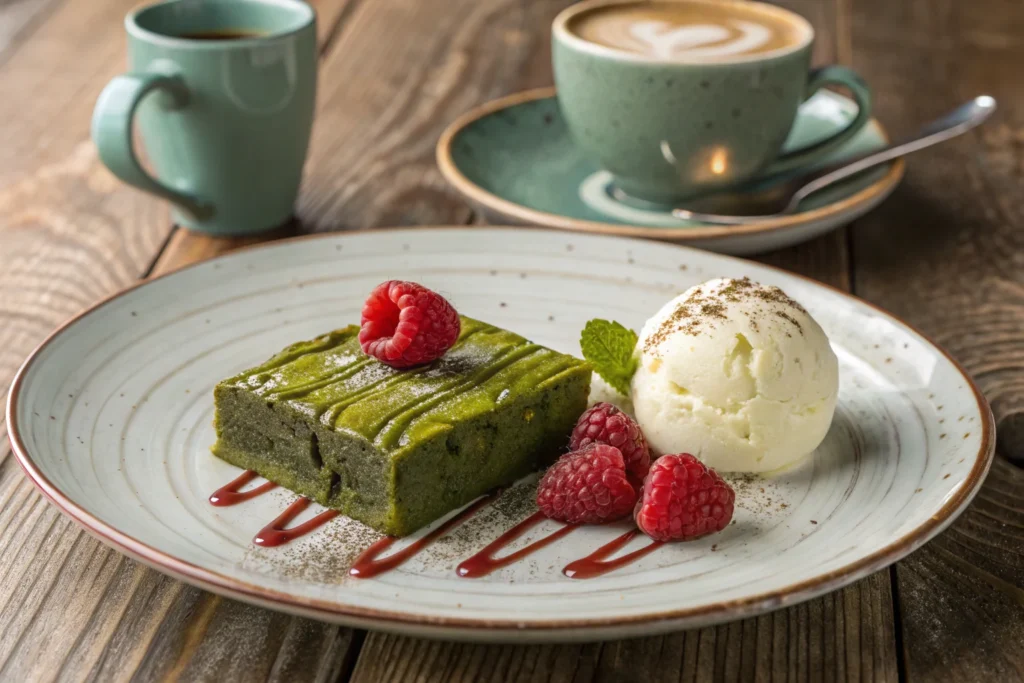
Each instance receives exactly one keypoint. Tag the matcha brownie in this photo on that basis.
(398, 448)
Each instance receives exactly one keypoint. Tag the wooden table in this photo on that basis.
(946, 252)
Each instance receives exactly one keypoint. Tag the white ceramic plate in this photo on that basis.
(111, 417)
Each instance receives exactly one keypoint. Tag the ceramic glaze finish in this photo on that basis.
(672, 127)
(111, 417)
(514, 159)
(262, 89)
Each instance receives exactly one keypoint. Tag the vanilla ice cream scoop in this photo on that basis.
(736, 373)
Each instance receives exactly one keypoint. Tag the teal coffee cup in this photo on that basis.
(677, 98)
(223, 93)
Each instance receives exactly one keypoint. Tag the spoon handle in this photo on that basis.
(960, 120)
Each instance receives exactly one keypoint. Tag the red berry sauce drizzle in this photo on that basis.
(370, 563)
(229, 494)
(597, 563)
(485, 562)
(276, 533)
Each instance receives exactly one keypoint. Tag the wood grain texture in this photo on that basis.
(70, 234)
(845, 636)
(185, 247)
(396, 75)
(947, 253)
(17, 20)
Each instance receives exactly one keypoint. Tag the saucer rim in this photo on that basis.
(451, 172)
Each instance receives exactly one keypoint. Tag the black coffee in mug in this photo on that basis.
(226, 34)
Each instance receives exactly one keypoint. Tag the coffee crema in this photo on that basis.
(682, 31)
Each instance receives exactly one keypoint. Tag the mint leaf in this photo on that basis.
(609, 348)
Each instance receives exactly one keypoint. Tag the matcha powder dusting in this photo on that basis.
(700, 308)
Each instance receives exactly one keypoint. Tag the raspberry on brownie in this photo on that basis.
(398, 448)
(404, 324)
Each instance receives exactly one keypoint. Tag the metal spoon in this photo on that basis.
(739, 207)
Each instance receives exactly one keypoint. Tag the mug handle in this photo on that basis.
(816, 79)
(112, 133)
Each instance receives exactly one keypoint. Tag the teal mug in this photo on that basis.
(223, 92)
(678, 98)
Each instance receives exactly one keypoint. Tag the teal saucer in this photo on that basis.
(514, 159)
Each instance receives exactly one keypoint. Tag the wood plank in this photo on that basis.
(844, 636)
(69, 234)
(947, 253)
(330, 16)
(17, 19)
(397, 74)
(185, 247)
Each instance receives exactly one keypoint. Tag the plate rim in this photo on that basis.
(399, 621)
(451, 172)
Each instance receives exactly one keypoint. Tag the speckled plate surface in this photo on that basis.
(514, 159)
(111, 418)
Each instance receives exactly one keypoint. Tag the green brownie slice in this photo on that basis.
(397, 449)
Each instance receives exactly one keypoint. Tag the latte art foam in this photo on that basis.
(684, 31)
(664, 40)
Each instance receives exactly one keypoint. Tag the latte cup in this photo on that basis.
(678, 98)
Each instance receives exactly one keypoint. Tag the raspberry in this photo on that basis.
(405, 324)
(587, 487)
(604, 423)
(683, 500)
